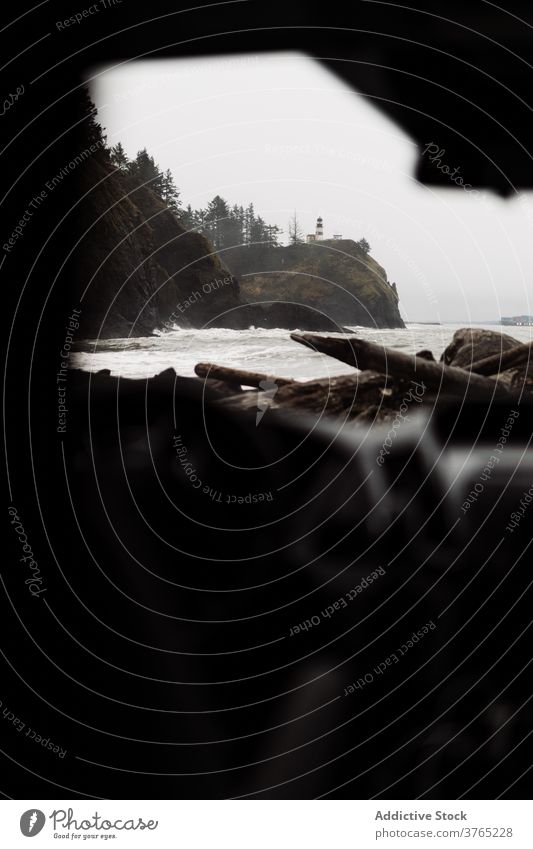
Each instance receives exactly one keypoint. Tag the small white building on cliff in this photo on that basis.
(318, 235)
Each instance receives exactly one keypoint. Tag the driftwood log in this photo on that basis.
(239, 376)
(504, 360)
(382, 382)
(435, 376)
(345, 395)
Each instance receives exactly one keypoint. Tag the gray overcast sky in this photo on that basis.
(279, 130)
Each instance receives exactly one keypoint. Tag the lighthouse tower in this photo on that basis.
(318, 235)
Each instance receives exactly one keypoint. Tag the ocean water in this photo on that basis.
(270, 351)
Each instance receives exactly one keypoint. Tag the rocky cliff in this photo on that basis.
(335, 278)
(143, 269)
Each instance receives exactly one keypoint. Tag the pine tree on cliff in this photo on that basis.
(118, 157)
(363, 245)
(199, 218)
(216, 222)
(193, 219)
(272, 233)
(227, 227)
(92, 130)
(249, 218)
(147, 172)
(261, 232)
(233, 229)
(187, 217)
(242, 221)
(170, 193)
(237, 218)
(257, 230)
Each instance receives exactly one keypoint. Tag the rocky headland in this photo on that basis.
(143, 270)
(335, 278)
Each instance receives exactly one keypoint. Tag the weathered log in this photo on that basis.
(239, 376)
(345, 395)
(519, 380)
(367, 355)
(222, 387)
(504, 360)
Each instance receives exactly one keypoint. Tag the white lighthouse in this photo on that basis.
(318, 235)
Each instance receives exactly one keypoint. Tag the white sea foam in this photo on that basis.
(269, 351)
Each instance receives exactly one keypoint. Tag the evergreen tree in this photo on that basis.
(118, 157)
(242, 219)
(259, 232)
(363, 245)
(199, 220)
(232, 232)
(170, 193)
(272, 233)
(93, 131)
(216, 222)
(249, 218)
(295, 231)
(147, 172)
(237, 219)
(187, 217)
(223, 225)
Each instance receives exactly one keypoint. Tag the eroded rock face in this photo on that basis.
(334, 277)
(295, 316)
(143, 268)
